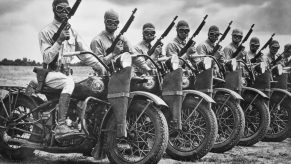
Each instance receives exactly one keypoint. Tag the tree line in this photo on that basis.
(28, 62)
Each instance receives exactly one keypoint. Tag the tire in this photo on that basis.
(203, 116)
(231, 123)
(260, 110)
(282, 116)
(156, 142)
(14, 152)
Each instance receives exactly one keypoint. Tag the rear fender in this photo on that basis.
(234, 94)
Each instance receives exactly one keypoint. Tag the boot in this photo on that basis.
(63, 128)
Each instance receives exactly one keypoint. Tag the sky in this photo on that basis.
(21, 20)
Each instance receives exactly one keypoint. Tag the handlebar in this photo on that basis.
(69, 54)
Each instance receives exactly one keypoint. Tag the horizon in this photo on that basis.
(19, 25)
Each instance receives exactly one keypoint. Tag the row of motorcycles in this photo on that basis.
(184, 111)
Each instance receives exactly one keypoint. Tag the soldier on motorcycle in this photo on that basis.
(237, 36)
(144, 46)
(59, 76)
(104, 39)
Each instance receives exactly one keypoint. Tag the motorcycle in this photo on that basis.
(128, 127)
(227, 108)
(280, 104)
(192, 123)
(256, 93)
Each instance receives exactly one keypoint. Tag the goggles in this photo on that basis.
(237, 36)
(214, 34)
(275, 47)
(182, 30)
(60, 9)
(149, 33)
(112, 21)
(255, 45)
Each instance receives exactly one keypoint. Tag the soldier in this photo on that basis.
(206, 47)
(144, 46)
(231, 48)
(59, 76)
(104, 40)
(254, 46)
(272, 54)
(175, 46)
(287, 55)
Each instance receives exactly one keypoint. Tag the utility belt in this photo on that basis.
(65, 69)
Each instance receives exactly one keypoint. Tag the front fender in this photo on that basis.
(201, 94)
(157, 100)
(255, 90)
(234, 94)
(282, 91)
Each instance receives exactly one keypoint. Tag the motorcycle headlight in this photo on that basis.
(261, 68)
(124, 60)
(173, 63)
(205, 64)
(277, 70)
(185, 82)
(231, 65)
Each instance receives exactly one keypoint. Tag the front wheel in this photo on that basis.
(257, 117)
(280, 112)
(199, 129)
(231, 123)
(147, 136)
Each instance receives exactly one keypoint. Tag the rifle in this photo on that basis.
(253, 60)
(65, 24)
(123, 30)
(240, 47)
(217, 46)
(65, 21)
(279, 58)
(158, 42)
(191, 41)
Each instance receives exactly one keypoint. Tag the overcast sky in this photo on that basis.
(21, 20)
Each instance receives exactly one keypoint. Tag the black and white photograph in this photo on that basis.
(145, 82)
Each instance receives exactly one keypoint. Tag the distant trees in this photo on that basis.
(20, 62)
(28, 62)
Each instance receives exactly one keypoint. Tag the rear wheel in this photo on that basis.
(231, 123)
(198, 132)
(280, 112)
(257, 117)
(146, 140)
(12, 150)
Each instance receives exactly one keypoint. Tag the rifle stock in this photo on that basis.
(123, 30)
(191, 41)
(165, 33)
